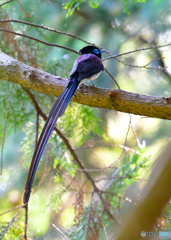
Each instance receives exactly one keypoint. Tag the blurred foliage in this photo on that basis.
(96, 135)
(126, 4)
(71, 5)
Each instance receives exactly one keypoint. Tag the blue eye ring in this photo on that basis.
(96, 51)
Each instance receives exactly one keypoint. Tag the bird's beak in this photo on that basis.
(102, 50)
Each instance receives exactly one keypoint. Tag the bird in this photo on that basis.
(88, 66)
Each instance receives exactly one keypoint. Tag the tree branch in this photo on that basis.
(151, 106)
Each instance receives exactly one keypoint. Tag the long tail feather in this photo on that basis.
(57, 111)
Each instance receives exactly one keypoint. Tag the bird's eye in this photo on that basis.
(96, 51)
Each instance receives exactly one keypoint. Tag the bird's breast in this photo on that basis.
(91, 78)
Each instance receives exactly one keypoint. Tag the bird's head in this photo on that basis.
(91, 49)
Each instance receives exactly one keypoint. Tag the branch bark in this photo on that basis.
(14, 71)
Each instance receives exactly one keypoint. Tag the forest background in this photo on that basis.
(102, 167)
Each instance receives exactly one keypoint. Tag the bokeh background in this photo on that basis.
(97, 135)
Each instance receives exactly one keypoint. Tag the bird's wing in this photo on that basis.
(87, 65)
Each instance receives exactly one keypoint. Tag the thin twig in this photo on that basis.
(157, 59)
(26, 221)
(5, 124)
(38, 40)
(112, 78)
(119, 196)
(110, 166)
(119, 177)
(46, 28)
(89, 214)
(145, 66)
(22, 206)
(26, 14)
(111, 193)
(136, 138)
(105, 232)
(58, 230)
(5, 3)
(113, 145)
(136, 50)
(68, 187)
(5, 229)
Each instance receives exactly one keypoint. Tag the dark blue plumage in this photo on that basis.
(86, 67)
